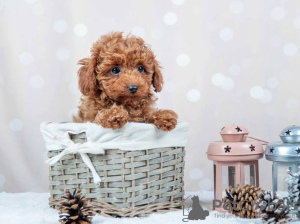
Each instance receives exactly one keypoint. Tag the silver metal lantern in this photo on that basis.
(285, 153)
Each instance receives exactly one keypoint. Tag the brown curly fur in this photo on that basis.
(106, 99)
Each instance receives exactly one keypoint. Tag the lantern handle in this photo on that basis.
(264, 142)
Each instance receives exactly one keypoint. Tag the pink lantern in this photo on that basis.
(234, 153)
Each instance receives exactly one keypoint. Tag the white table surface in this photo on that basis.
(33, 208)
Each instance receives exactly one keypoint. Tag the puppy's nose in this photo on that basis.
(133, 89)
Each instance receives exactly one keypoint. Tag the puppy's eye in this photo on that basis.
(115, 70)
(141, 69)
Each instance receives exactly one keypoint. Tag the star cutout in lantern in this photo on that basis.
(288, 132)
(298, 151)
(238, 129)
(252, 147)
(271, 150)
(227, 149)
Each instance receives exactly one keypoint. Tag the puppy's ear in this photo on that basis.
(87, 77)
(157, 80)
(87, 72)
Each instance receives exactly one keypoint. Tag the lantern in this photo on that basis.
(285, 153)
(234, 153)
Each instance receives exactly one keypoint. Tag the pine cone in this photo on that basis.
(272, 209)
(249, 193)
(74, 209)
(293, 183)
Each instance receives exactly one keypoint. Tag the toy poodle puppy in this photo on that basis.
(116, 82)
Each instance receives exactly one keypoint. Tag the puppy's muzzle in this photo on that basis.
(133, 89)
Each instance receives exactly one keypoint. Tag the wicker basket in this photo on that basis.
(134, 183)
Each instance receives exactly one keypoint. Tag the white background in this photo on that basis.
(224, 61)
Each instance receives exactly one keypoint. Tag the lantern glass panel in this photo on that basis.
(282, 175)
(250, 174)
(228, 177)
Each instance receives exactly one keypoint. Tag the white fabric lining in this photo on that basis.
(133, 136)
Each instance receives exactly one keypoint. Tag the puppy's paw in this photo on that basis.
(165, 120)
(114, 118)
